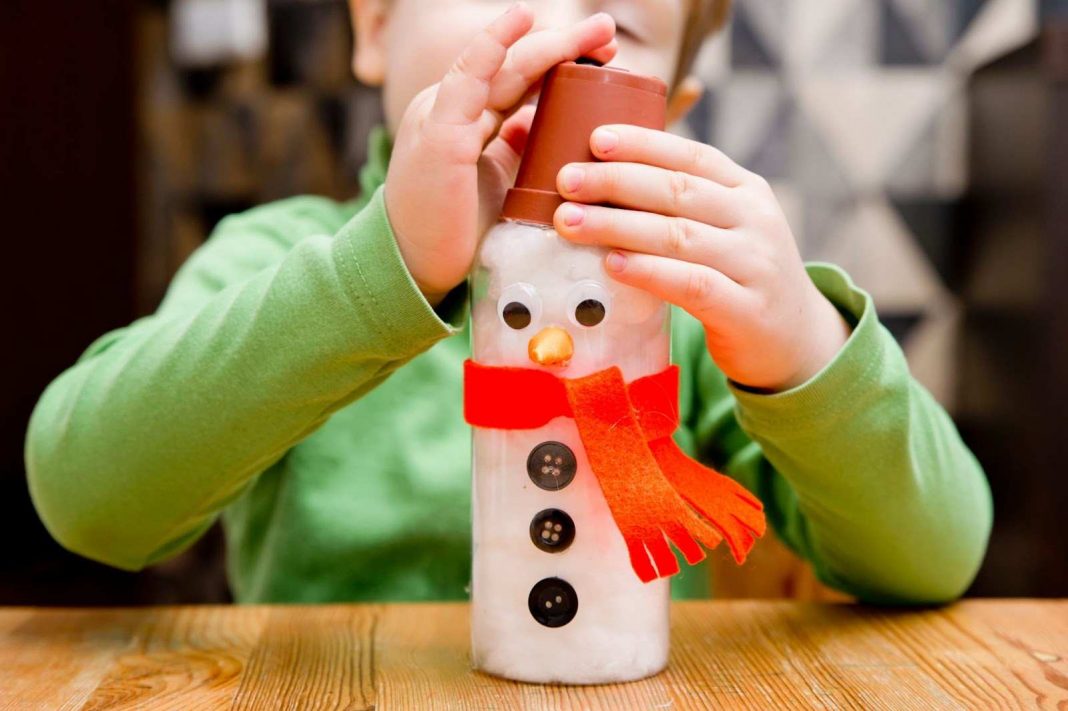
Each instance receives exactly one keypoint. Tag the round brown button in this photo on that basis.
(553, 602)
(551, 465)
(552, 530)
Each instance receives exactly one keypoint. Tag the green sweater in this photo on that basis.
(295, 381)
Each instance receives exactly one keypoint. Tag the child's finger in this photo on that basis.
(538, 52)
(645, 187)
(463, 93)
(648, 232)
(710, 296)
(635, 144)
(516, 128)
(605, 53)
(506, 149)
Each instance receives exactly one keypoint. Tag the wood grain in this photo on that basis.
(737, 654)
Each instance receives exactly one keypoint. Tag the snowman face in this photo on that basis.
(543, 302)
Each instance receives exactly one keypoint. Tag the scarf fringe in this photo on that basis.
(737, 515)
(655, 492)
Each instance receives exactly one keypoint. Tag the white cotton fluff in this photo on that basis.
(620, 631)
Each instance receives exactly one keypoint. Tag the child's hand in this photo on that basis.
(453, 160)
(704, 233)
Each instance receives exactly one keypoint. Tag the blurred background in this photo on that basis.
(922, 144)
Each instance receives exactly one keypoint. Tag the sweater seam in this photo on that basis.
(382, 325)
(361, 300)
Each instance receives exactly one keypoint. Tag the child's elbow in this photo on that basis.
(935, 569)
(958, 546)
(81, 529)
(943, 580)
(92, 540)
(913, 584)
(75, 518)
(958, 566)
(943, 553)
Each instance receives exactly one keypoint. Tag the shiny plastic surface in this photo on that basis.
(529, 280)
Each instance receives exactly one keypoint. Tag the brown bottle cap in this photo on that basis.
(576, 99)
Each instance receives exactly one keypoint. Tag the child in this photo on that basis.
(303, 375)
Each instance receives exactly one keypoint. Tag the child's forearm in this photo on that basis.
(873, 483)
(133, 451)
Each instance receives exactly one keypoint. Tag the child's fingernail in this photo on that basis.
(571, 178)
(605, 140)
(615, 261)
(572, 215)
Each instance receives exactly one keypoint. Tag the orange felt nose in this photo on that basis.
(552, 345)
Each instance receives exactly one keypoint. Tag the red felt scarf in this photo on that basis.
(655, 492)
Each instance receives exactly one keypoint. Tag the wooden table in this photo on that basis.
(761, 655)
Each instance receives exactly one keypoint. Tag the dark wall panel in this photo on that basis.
(67, 142)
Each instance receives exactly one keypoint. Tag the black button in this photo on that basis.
(553, 602)
(551, 465)
(552, 530)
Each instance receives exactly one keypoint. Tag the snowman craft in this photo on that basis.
(577, 483)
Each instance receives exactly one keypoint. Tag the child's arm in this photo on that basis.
(876, 487)
(284, 317)
(271, 326)
(860, 470)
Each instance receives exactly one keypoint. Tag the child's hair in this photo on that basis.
(703, 18)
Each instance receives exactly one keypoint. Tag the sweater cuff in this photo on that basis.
(383, 290)
(827, 396)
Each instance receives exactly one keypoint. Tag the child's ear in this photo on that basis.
(369, 35)
(682, 99)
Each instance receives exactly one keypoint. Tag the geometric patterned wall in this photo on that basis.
(856, 111)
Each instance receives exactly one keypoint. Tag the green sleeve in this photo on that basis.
(861, 471)
(286, 314)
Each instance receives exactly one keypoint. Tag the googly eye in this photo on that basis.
(519, 306)
(588, 303)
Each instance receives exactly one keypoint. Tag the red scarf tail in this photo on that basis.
(643, 502)
(723, 502)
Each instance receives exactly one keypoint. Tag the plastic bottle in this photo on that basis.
(554, 596)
